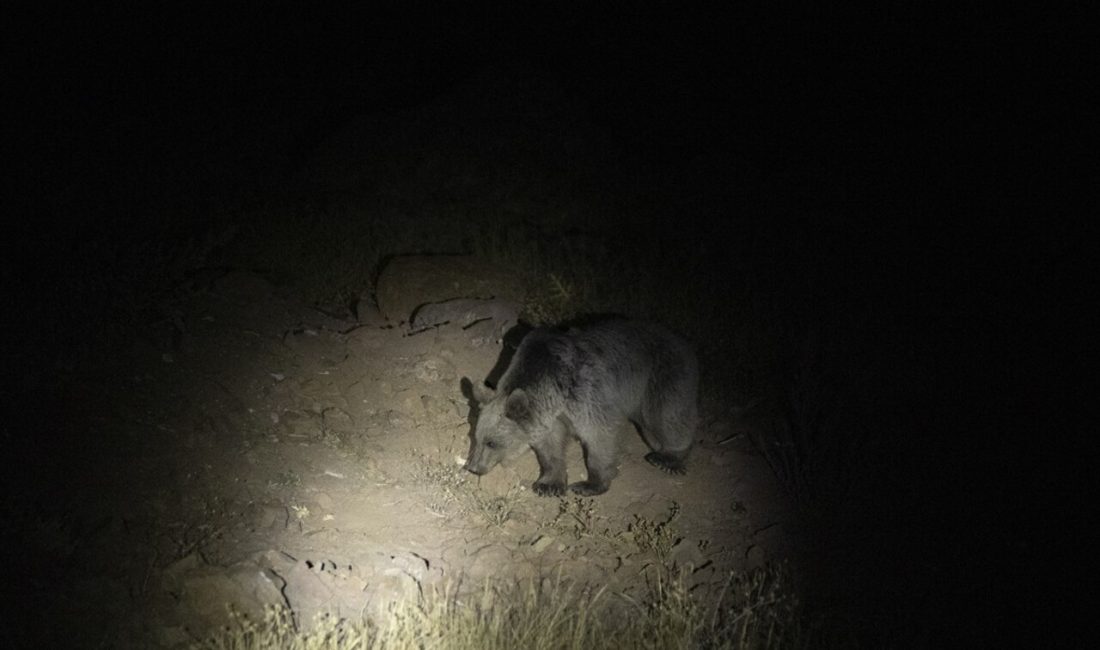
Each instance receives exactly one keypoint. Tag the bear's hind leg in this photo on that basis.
(669, 427)
(673, 463)
(600, 460)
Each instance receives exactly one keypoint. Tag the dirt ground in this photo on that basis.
(264, 452)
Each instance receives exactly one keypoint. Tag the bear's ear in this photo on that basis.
(477, 390)
(518, 406)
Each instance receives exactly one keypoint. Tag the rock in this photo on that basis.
(542, 543)
(300, 424)
(318, 588)
(208, 592)
(308, 594)
(173, 636)
(263, 585)
(687, 553)
(396, 586)
(409, 281)
(434, 370)
(367, 312)
(410, 564)
(338, 419)
(357, 393)
(271, 517)
(277, 561)
(442, 411)
(464, 312)
(409, 404)
(173, 574)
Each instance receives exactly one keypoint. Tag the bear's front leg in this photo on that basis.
(550, 451)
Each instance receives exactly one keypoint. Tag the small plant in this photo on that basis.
(288, 478)
(454, 487)
(553, 301)
(576, 516)
(760, 609)
(445, 475)
(495, 509)
(658, 538)
(560, 290)
(449, 481)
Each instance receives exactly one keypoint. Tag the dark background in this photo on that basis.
(832, 108)
(874, 159)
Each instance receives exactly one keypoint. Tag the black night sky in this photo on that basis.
(848, 172)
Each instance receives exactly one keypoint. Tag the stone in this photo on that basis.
(409, 281)
(542, 543)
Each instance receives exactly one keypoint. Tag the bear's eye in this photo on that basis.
(491, 444)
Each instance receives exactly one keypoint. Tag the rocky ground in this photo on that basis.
(263, 452)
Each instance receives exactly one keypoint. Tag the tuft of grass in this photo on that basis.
(453, 490)
(448, 476)
(761, 609)
(554, 300)
(449, 482)
(496, 509)
(656, 537)
(821, 437)
(285, 479)
(277, 630)
(576, 517)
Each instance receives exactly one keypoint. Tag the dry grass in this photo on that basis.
(753, 610)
